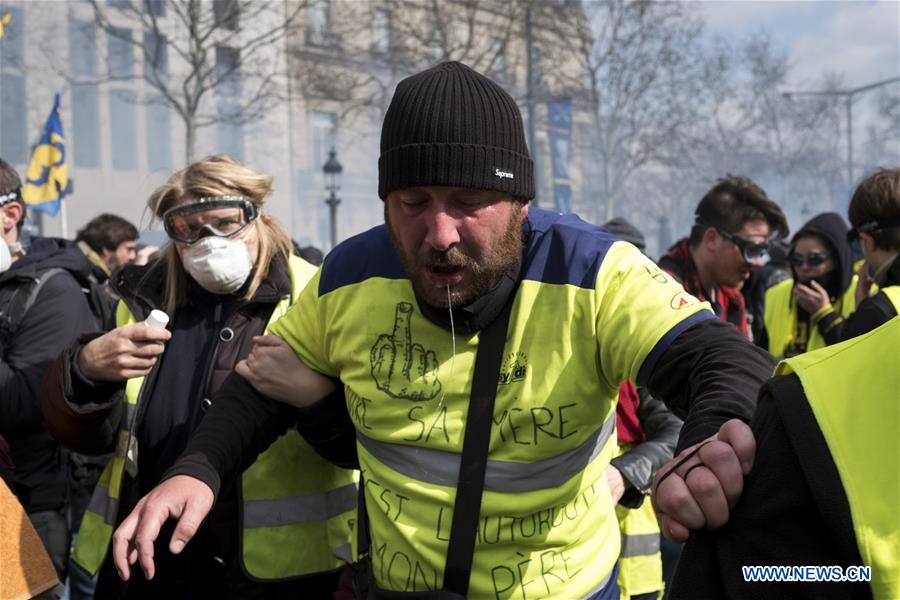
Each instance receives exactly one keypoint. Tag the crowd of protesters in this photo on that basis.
(478, 398)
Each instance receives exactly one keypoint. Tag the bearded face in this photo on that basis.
(455, 243)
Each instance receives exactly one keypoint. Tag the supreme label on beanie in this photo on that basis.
(503, 173)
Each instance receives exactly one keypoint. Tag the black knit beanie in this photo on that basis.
(624, 230)
(451, 126)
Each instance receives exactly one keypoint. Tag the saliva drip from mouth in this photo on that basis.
(452, 342)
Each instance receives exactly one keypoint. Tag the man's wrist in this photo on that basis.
(196, 466)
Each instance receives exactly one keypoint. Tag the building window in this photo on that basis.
(159, 134)
(498, 56)
(228, 71)
(157, 55)
(157, 8)
(434, 47)
(381, 30)
(227, 13)
(86, 125)
(85, 133)
(324, 137)
(13, 114)
(318, 32)
(121, 53)
(229, 131)
(13, 118)
(123, 129)
(82, 45)
(12, 46)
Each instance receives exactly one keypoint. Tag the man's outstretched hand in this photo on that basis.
(182, 497)
(702, 484)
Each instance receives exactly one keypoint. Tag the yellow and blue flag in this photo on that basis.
(4, 21)
(47, 179)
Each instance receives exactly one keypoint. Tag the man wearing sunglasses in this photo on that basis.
(734, 222)
(875, 217)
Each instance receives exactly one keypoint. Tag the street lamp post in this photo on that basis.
(332, 169)
(848, 97)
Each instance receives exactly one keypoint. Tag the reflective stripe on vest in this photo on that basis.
(640, 561)
(781, 316)
(299, 525)
(852, 389)
(560, 531)
(644, 544)
(442, 468)
(299, 509)
(101, 515)
(546, 527)
(292, 525)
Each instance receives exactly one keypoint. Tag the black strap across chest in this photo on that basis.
(473, 461)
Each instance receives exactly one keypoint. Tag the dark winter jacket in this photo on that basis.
(85, 416)
(754, 292)
(793, 512)
(641, 462)
(6, 464)
(874, 311)
(60, 314)
(831, 229)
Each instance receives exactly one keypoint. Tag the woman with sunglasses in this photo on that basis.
(226, 274)
(808, 311)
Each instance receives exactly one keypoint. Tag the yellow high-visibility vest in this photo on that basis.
(853, 389)
(781, 317)
(297, 509)
(640, 560)
(893, 294)
(589, 313)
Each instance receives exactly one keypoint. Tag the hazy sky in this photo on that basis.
(858, 38)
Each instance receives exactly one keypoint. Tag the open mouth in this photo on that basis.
(444, 274)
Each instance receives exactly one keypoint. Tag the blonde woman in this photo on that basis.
(225, 275)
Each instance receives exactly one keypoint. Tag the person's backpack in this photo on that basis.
(19, 293)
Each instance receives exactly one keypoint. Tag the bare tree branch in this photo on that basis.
(191, 34)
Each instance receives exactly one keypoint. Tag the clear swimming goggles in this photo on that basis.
(223, 216)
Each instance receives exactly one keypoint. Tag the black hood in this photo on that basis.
(46, 253)
(831, 229)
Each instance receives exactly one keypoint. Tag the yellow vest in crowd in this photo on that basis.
(781, 317)
(640, 560)
(297, 509)
(547, 526)
(893, 294)
(854, 391)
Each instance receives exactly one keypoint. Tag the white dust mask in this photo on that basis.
(220, 265)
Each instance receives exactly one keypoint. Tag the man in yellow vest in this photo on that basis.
(647, 433)
(400, 315)
(875, 216)
(822, 499)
